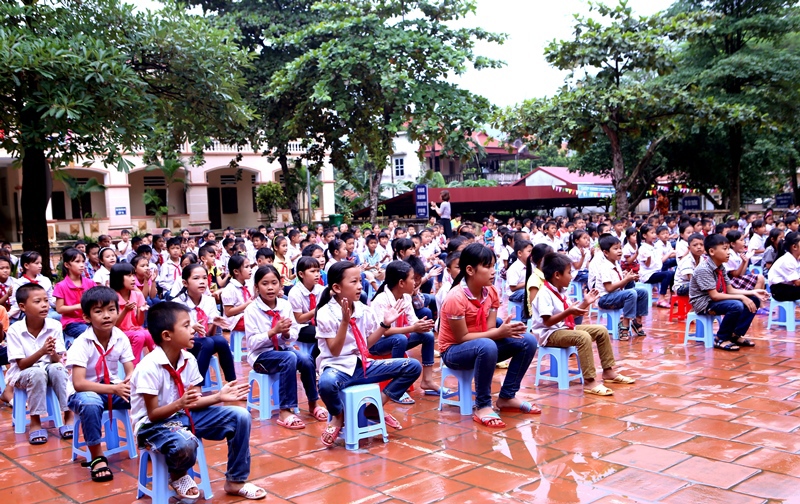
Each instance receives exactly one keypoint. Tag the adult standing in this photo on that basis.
(444, 212)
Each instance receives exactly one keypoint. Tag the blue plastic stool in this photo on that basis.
(703, 329)
(20, 412)
(464, 377)
(238, 345)
(575, 291)
(213, 385)
(160, 491)
(559, 366)
(612, 321)
(648, 288)
(356, 426)
(111, 437)
(305, 348)
(517, 307)
(2, 378)
(785, 314)
(756, 270)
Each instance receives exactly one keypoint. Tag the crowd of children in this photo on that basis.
(343, 308)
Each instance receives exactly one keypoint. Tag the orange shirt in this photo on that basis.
(458, 305)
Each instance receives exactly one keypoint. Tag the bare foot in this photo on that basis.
(429, 385)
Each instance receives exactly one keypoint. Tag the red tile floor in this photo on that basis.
(698, 426)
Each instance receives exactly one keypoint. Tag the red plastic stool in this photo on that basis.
(683, 308)
(384, 383)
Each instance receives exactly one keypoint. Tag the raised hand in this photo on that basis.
(393, 312)
(346, 312)
(234, 391)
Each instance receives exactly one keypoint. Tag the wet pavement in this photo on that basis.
(698, 426)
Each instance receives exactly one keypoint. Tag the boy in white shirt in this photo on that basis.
(170, 415)
(784, 275)
(515, 274)
(170, 271)
(124, 245)
(686, 266)
(303, 298)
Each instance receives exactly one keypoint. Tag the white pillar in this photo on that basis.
(118, 200)
(197, 198)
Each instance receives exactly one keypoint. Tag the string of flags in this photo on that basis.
(680, 188)
(581, 193)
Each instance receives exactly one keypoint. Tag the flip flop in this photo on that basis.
(330, 434)
(622, 379)
(406, 399)
(391, 421)
(442, 390)
(600, 390)
(37, 437)
(320, 413)
(726, 345)
(251, 492)
(66, 431)
(743, 342)
(292, 422)
(490, 420)
(526, 408)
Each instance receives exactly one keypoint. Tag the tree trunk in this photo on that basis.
(374, 189)
(793, 178)
(736, 147)
(36, 190)
(618, 173)
(289, 190)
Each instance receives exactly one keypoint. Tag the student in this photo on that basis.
(580, 254)
(774, 246)
(711, 292)
(650, 265)
(550, 238)
(630, 251)
(283, 263)
(610, 282)
(303, 298)
(407, 331)
(403, 247)
(468, 338)
(124, 245)
(451, 271)
(108, 258)
(373, 257)
(685, 230)
(92, 260)
(554, 325)
(318, 253)
(237, 295)
(68, 294)
(170, 272)
(755, 247)
(35, 348)
(145, 278)
(293, 249)
(737, 263)
(165, 394)
(205, 321)
(534, 276)
(346, 328)
(130, 319)
(784, 276)
(515, 275)
(271, 329)
(217, 279)
(30, 269)
(264, 256)
(664, 247)
(93, 360)
(6, 284)
(686, 266)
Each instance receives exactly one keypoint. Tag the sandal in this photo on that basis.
(292, 422)
(183, 486)
(251, 492)
(638, 329)
(728, 346)
(405, 399)
(66, 431)
(524, 407)
(392, 421)
(37, 437)
(490, 420)
(600, 390)
(624, 333)
(320, 413)
(330, 434)
(99, 475)
(622, 379)
(742, 341)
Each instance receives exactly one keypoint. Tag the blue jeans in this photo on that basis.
(72, 331)
(204, 349)
(397, 344)
(665, 278)
(669, 264)
(518, 296)
(402, 373)
(483, 354)
(173, 438)
(737, 318)
(634, 302)
(90, 407)
(287, 363)
(424, 312)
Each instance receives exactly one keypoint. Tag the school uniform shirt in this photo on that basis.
(151, 378)
(786, 269)
(40, 279)
(503, 256)
(85, 353)
(681, 249)
(515, 275)
(328, 319)
(169, 275)
(9, 285)
(663, 249)
(300, 299)
(442, 292)
(684, 272)
(206, 310)
(734, 261)
(386, 300)
(594, 271)
(554, 242)
(428, 251)
(234, 294)
(284, 267)
(607, 271)
(329, 263)
(123, 248)
(22, 344)
(575, 256)
(628, 250)
(756, 243)
(71, 294)
(546, 304)
(535, 280)
(102, 276)
(461, 304)
(707, 276)
(648, 251)
(257, 323)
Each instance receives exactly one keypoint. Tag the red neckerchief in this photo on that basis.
(31, 280)
(569, 321)
(312, 305)
(276, 317)
(483, 312)
(320, 281)
(202, 318)
(245, 297)
(101, 370)
(3, 290)
(176, 377)
(721, 285)
(402, 321)
(159, 259)
(361, 343)
(284, 271)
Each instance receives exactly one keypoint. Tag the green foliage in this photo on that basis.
(174, 170)
(270, 197)
(151, 197)
(431, 178)
(473, 183)
(76, 191)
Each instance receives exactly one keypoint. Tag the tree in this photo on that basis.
(91, 79)
(621, 96)
(76, 191)
(372, 67)
(270, 197)
(174, 170)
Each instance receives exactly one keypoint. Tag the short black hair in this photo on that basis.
(714, 240)
(206, 250)
(100, 295)
(175, 240)
(416, 264)
(92, 246)
(372, 238)
(144, 249)
(554, 263)
(347, 235)
(606, 241)
(306, 263)
(696, 236)
(163, 317)
(24, 292)
(266, 253)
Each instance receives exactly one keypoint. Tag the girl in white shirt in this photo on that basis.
(630, 251)
(755, 247)
(107, 259)
(346, 328)
(30, 269)
(737, 264)
(271, 329)
(650, 266)
(579, 255)
(236, 296)
(685, 230)
(784, 276)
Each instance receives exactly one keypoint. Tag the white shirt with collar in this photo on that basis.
(232, 295)
(257, 325)
(23, 344)
(386, 300)
(546, 303)
(607, 271)
(151, 378)
(328, 319)
(42, 280)
(207, 305)
(169, 275)
(299, 298)
(83, 353)
(102, 276)
(648, 251)
(786, 269)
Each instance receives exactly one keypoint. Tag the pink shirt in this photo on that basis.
(71, 294)
(130, 321)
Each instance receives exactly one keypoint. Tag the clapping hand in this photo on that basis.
(392, 313)
(511, 329)
(234, 391)
(590, 297)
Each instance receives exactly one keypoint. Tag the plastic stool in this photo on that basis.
(785, 314)
(679, 308)
(160, 491)
(517, 307)
(612, 320)
(703, 329)
(20, 412)
(559, 366)
(238, 345)
(2, 378)
(305, 348)
(213, 385)
(269, 399)
(575, 291)
(756, 270)
(648, 288)
(464, 377)
(111, 437)
(356, 426)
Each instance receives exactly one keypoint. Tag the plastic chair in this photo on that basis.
(356, 425)
(559, 366)
(464, 377)
(575, 291)
(679, 308)
(238, 345)
(160, 491)
(703, 329)
(648, 288)
(111, 436)
(517, 307)
(213, 385)
(785, 314)
(20, 412)
(612, 320)
(269, 399)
